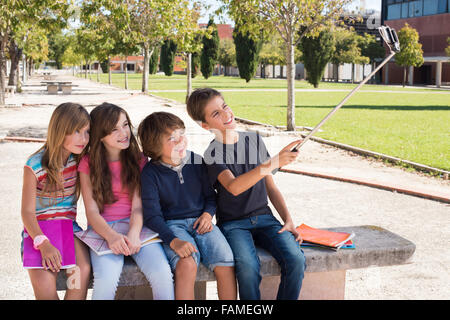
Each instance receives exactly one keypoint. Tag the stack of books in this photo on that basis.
(313, 237)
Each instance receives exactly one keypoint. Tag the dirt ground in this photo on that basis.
(314, 201)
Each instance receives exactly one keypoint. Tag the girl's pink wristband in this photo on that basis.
(38, 240)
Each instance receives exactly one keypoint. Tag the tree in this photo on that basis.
(248, 48)
(447, 50)
(210, 50)
(411, 53)
(317, 52)
(346, 50)
(167, 58)
(48, 14)
(154, 61)
(371, 49)
(287, 17)
(58, 44)
(146, 23)
(227, 54)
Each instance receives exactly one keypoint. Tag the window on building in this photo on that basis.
(405, 9)
(130, 66)
(442, 7)
(415, 8)
(394, 11)
(430, 7)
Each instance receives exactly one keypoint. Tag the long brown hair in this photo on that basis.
(65, 120)
(103, 120)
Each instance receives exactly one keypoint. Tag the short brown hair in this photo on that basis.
(197, 101)
(151, 130)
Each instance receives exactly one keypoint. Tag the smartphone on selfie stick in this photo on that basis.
(390, 38)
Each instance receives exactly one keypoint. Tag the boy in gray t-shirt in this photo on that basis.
(240, 169)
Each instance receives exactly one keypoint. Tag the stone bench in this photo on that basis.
(325, 273)
(54, 87)
(10, 90)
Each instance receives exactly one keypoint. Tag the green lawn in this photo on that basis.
(413, 126)
(178, 82)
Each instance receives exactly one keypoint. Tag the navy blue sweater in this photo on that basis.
(175, 193)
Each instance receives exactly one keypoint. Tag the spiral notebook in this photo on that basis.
(60, 234)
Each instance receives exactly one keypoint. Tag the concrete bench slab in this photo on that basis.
(10, 90)
(324, 276)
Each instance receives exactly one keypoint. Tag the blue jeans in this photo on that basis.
(262, 230)
(212, 247)
(150, 259)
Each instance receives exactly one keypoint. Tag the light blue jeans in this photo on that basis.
(152, 261)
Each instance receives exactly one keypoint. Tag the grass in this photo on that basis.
(412, 126)
(178, 82)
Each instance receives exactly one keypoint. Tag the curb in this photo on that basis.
(23, 139)
(421, 194)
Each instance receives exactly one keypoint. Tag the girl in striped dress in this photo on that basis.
(50, 191)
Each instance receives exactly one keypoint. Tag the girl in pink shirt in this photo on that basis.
(110, 186)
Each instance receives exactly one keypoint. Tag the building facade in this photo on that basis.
(431, 19)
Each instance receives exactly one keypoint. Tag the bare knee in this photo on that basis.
(186, 268)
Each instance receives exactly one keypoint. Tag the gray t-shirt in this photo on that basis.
(241, 157)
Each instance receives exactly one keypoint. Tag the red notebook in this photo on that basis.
(60, 234)
(330, 239)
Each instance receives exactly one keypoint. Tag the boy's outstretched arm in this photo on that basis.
(277, 199)
(240, 184)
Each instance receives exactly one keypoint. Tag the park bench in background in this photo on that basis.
(10, 90)
(54, 86)
(325, 273)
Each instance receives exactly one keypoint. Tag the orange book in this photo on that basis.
(330, 239)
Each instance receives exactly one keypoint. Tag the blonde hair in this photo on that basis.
(65, 120)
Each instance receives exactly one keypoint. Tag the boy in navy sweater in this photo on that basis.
(240, 169)
(179, 203)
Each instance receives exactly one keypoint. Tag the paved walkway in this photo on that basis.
(314, 201)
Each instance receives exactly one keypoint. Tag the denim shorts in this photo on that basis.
(76, 228)
(212, 248)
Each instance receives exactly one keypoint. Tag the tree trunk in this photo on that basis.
(98, 71)
(14, 54)
(85, 69)
(336, 72)
(126, 72)
(3, 43)
(189, 75)
(18, 83)
(290, 75)
(146, 71)
(353, 73)
(109, 71)
(404, 76)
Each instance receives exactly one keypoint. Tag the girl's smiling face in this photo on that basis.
(119, 138)
(77, 141)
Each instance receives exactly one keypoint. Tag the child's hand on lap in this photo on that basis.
(182, 248)
(204, 223)
(118, 244)
(134, 242)
(289, 226)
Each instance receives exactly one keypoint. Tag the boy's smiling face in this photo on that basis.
(218, 116)
(174, 144)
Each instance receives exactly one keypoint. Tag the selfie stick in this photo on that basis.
(390, 37)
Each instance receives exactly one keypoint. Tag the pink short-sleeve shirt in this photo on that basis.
(121, 209)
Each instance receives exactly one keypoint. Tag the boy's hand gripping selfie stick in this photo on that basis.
(390, 37)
